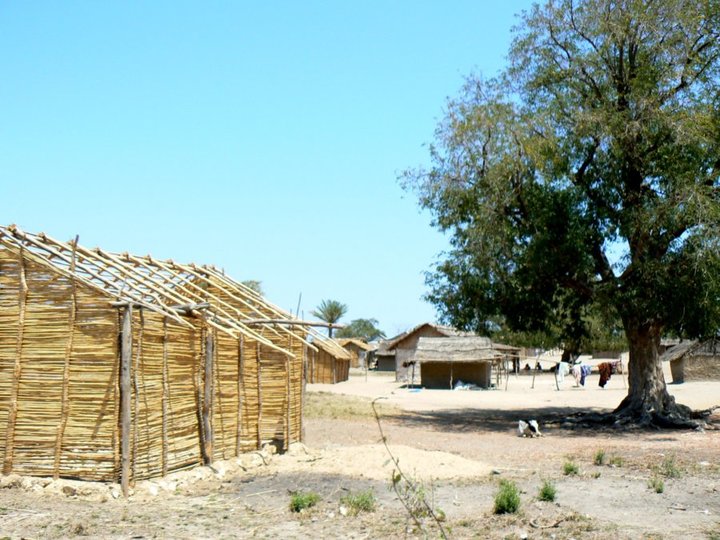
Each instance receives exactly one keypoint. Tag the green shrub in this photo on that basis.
(507, 499)
(570, 467)
(616, 461)
(669, 468)
(547, 491)
(600, 457)
(656, 484)
(363, 501)
(302, 500)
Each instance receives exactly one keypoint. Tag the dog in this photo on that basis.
(529, 429)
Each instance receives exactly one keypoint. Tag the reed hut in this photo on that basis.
(358, 350)
(115, 367)
(328, 364)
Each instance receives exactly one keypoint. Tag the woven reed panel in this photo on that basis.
(296, 346)
(9, 311)
(87, 445)
(249, 402)
(183, 361)
(274, 394)
(225, 406)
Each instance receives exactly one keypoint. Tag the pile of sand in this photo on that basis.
(373, 461)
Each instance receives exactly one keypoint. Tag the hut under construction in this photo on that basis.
(328, 364)
(115, 367)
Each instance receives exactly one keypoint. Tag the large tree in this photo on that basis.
(586, 175)
(366, 329)
(330, 311)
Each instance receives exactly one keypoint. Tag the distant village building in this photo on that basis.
(358, 350)
(330, 364)
(694, 361)
(403, 347)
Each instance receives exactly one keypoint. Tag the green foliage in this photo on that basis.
(669, 468)
(570, 468)
(581, 187)
(254, 285)
(547, 491)
(507, 499)
(418, 499)
(363, 501)
(599, 457)
(361, 328)
(656, 484)
(303, 500)
(616, 461)
(330, 311)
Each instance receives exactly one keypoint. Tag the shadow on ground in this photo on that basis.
(565, 419)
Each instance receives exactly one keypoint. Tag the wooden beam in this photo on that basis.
(290, 322)
(185, 308)
(207, 406)
(64, 412)
(259, 397)
(125, 398)
(17, 369)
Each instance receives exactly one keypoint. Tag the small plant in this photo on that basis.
(547, 491)
(669, 468)
(302, 500)
(596, 475)
(656, 484)
(570, 468)
(616, 461)
(363, 501)
(600, 457)
(507, 499)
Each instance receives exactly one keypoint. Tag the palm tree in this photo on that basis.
(330, 311)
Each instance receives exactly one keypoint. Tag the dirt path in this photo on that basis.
(458, 444)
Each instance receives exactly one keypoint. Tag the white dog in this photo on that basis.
(529, 429)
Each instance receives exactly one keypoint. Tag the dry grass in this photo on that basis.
(338, 406)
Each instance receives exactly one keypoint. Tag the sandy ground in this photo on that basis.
(457, 444)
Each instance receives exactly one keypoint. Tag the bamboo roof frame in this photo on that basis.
(165, 287)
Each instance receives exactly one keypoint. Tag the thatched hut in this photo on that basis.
(445, 361)
(403, 348)
(358, 350)
(121, 368)
(328, 364)
(692, 360)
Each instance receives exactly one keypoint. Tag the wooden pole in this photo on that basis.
(303, 382)
(288, 409)
(259, 398)
(125, 398)
(240, 393)
(207, 406)
(165, 399)
(66, 368)
(17, 370)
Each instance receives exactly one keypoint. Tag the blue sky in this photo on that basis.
(264, 138)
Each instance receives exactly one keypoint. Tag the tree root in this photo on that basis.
(675, 416)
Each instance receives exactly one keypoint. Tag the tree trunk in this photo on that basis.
(648, 402)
